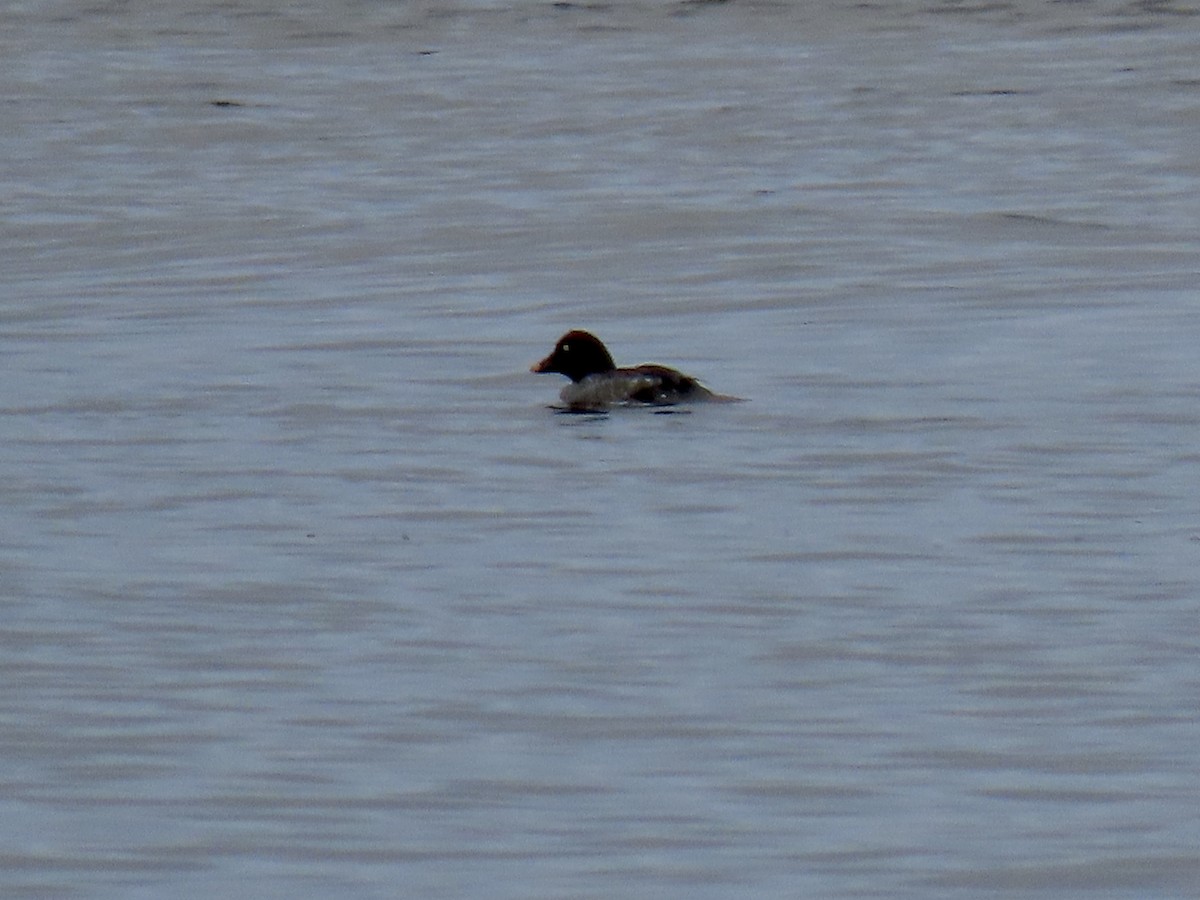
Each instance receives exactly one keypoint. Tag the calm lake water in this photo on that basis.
(307, 593)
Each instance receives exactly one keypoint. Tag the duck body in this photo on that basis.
(597, 382)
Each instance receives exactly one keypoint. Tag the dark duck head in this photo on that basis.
(577, 355)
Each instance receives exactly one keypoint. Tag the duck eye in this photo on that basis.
(565, 348)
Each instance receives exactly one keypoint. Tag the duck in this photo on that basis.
(597, 383)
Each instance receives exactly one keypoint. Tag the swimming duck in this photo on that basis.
(597, 383)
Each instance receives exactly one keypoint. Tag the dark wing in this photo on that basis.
(667, 386)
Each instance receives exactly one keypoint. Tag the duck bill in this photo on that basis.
(543, 366)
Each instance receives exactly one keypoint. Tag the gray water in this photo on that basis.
(307, 592)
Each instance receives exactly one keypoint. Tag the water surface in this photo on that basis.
(307, 591)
